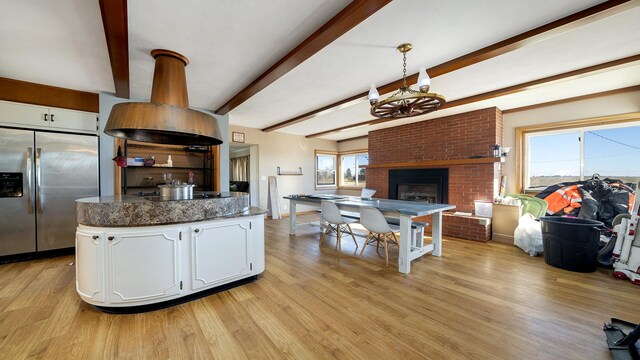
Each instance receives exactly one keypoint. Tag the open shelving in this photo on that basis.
(196, 159)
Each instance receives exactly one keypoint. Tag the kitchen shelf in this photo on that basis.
(170, 168)
(194, 149)
(286, 172)
(195, 159)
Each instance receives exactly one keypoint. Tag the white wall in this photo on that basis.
(108, 151)
(351, 145)
(584, 109)
(288, 152)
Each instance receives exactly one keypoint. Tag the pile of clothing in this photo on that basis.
(593, 199)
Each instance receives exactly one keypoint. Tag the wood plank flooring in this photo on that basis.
(478, 301)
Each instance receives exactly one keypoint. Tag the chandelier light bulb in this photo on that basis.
(424, 81)
(373, 94)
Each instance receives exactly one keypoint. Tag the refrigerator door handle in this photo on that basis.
(29, 180)
(39, 202)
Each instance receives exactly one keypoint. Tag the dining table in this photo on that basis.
(410, 247)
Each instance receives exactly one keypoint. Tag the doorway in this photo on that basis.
(243, 170)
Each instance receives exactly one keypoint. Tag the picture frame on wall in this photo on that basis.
(237, 137)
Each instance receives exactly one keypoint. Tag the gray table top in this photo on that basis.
(414, 208)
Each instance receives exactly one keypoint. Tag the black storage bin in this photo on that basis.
(571, 243)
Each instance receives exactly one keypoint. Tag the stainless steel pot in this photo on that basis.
(176, 192)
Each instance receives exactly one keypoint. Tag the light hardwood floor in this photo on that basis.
(478, 301)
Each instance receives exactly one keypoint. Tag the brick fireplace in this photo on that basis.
(460, 145)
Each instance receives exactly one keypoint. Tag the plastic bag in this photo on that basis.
(528, 235)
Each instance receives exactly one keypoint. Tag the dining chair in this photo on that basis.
(379, 230)
(335, 223)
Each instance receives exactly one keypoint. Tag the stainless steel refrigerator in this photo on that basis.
(41, 176)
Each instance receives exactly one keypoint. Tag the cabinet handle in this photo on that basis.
(45, 117)
(197, 230)
(51, 117)
(110, 238)
(95, 237)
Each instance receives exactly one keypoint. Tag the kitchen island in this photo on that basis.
(138, 253)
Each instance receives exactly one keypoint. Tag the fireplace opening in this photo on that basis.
(426, 185)
(418, 192)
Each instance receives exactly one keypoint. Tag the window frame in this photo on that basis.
(351, 153)
(335, 156)
(597, 123)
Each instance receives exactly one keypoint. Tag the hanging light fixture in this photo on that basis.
(406, 102)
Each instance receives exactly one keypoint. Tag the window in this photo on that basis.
(577, 154)
(326, 169)
(352, 169)
(553, 158)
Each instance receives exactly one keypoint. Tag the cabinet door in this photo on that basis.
(220, 252)
(143, 265)
(23, 115)
(73, 120)
(90, 265)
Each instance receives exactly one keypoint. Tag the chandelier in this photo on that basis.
(406, 102)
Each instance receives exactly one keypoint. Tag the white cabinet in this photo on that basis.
(23, 114)
(143, 265)
(72, 120)
(41, 117)
(504, 222)
(90, 265)
(124, 267)
(221, 252)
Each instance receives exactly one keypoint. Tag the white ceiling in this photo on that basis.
(59, 43)
(230, 43)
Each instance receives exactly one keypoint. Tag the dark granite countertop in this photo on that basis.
(130, 211)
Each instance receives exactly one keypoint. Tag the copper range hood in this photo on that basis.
(166, 119)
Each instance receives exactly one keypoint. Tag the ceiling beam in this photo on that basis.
(575, 98)
(116, 31)
(570, 75)
(353, 138)
(538, 34)
(591, 70)
(352, 15)
(45, 95)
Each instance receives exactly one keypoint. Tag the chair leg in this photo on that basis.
(395, 239)
(353, 237)
(378, 242)
(324, 234)
(366, 241)
(386, 250)
(338, 247)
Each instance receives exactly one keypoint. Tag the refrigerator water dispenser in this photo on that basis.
(10, 184)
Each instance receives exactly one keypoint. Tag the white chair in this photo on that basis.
(379, 230)
(336, 223)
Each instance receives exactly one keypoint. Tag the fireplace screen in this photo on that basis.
(428, 185)
(418, 192)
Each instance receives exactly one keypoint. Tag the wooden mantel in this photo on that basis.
(413, 164)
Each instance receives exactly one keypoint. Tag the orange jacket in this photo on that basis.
(567, 198)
